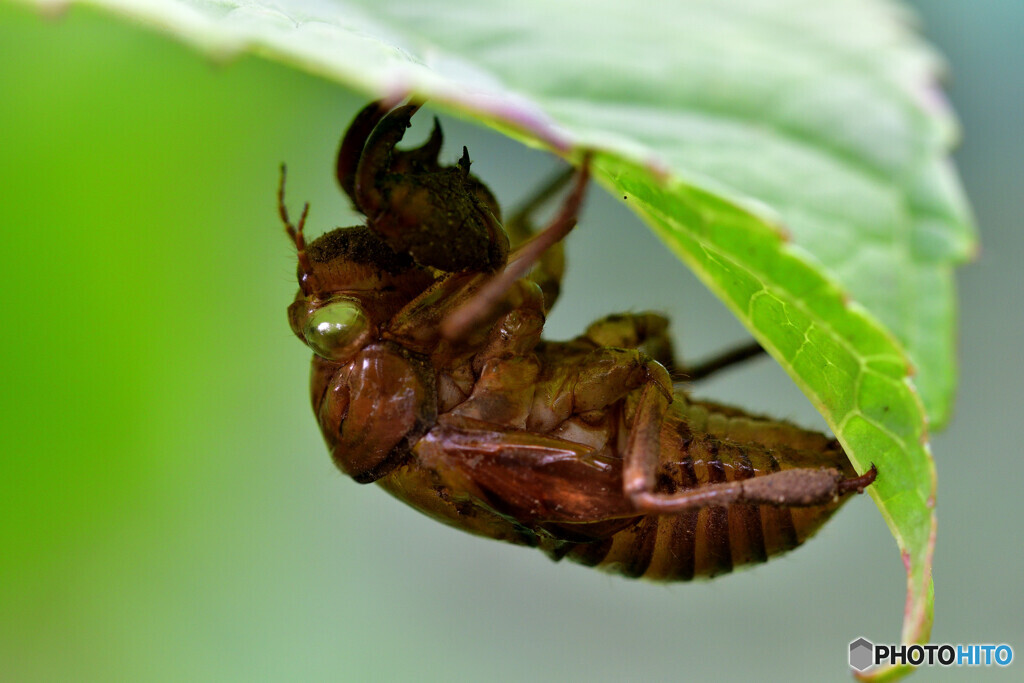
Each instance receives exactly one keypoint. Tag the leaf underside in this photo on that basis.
(792, 153)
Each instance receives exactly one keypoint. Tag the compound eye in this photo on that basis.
(337, 330)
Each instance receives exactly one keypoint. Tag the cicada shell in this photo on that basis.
(430, 377)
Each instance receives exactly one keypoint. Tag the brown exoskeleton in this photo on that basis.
(430, 378)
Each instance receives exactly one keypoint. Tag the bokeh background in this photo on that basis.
(168, 511)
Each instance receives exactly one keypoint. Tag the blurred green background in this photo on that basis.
(168, 510)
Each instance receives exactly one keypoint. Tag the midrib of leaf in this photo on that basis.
(905, 489)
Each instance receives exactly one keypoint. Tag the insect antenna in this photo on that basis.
(462, 319)
(307, 281)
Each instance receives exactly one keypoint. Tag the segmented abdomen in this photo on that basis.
(706, 444)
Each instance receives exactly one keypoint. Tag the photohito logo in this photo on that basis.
(864, 654)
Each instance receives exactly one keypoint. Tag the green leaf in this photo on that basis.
(793, 154)
(842, 359)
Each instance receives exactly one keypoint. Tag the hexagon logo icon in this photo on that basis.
(861, 654)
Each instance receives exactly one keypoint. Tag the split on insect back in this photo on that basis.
(430, 378)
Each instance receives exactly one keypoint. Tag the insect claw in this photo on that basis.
(858, 484)
(352, 145)
(423, 159)
(461, 320)
(719, 362)
(464, 162)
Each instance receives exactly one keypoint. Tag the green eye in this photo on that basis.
(337, 330)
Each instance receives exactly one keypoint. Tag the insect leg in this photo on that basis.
(352, 145)
(458, 323)
(550, 268)
(647, 332)
(798, 487)
(530, 477)
(518, 223)
(719, 362)
(417, 325)
(376, 155)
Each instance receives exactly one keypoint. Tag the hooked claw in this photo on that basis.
(858, 484)
(441, 215)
